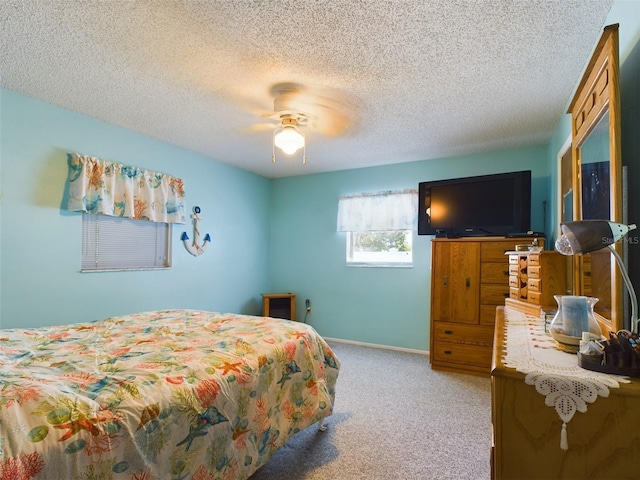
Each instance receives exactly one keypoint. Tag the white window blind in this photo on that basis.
(114, 243)
(378, 211)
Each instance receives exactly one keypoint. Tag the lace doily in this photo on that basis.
(555, 374)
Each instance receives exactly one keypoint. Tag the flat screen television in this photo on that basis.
(497, 204)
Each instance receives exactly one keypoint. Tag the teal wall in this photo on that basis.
(40, 256)
(386, 306)
(268, 235)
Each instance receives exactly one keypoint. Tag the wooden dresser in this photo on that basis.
(469, 279)
(603, 442)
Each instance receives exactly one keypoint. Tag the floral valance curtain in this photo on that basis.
(378, 211)
(108, 188)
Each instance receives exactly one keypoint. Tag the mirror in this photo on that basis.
(595, 185)
(595, 188)
(596, 177)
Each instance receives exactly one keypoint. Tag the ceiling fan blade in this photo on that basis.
(331, 124)
(318, 109)
(262, 127)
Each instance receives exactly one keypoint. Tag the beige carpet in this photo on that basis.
(394, 418)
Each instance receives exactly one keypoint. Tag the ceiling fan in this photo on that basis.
(297, 109)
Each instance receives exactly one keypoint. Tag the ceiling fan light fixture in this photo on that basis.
(289, 140)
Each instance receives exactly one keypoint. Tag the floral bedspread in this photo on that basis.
(177, 394)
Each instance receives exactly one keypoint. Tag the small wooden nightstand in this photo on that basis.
(279, 305)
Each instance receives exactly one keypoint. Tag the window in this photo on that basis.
(379, 227)
(115, 243)
(390, 248)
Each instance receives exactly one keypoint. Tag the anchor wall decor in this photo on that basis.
(193, 248)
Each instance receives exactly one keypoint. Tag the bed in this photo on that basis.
(173, 394)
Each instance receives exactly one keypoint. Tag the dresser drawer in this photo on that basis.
(494, 273)
(461, 354)
(533, 272)
(494, 294)
(534, 259)
(514, 281)
(534, 285)
(495, 251)
(534, 297)
(467, 334)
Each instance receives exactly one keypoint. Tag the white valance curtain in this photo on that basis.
(378, 211)
(108, 188)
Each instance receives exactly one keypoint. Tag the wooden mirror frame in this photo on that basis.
(598, 94)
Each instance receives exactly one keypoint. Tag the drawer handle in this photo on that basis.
(506, 272)
(448, 352)
(448, 332)
(445, 281)
(468, 282)
(506, 295)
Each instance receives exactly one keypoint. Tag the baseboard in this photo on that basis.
(376, 345)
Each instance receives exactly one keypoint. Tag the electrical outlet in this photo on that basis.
(307, 303)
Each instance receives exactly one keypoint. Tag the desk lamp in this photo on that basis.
(586, 236)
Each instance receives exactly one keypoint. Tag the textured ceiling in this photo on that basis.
(417, 79)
